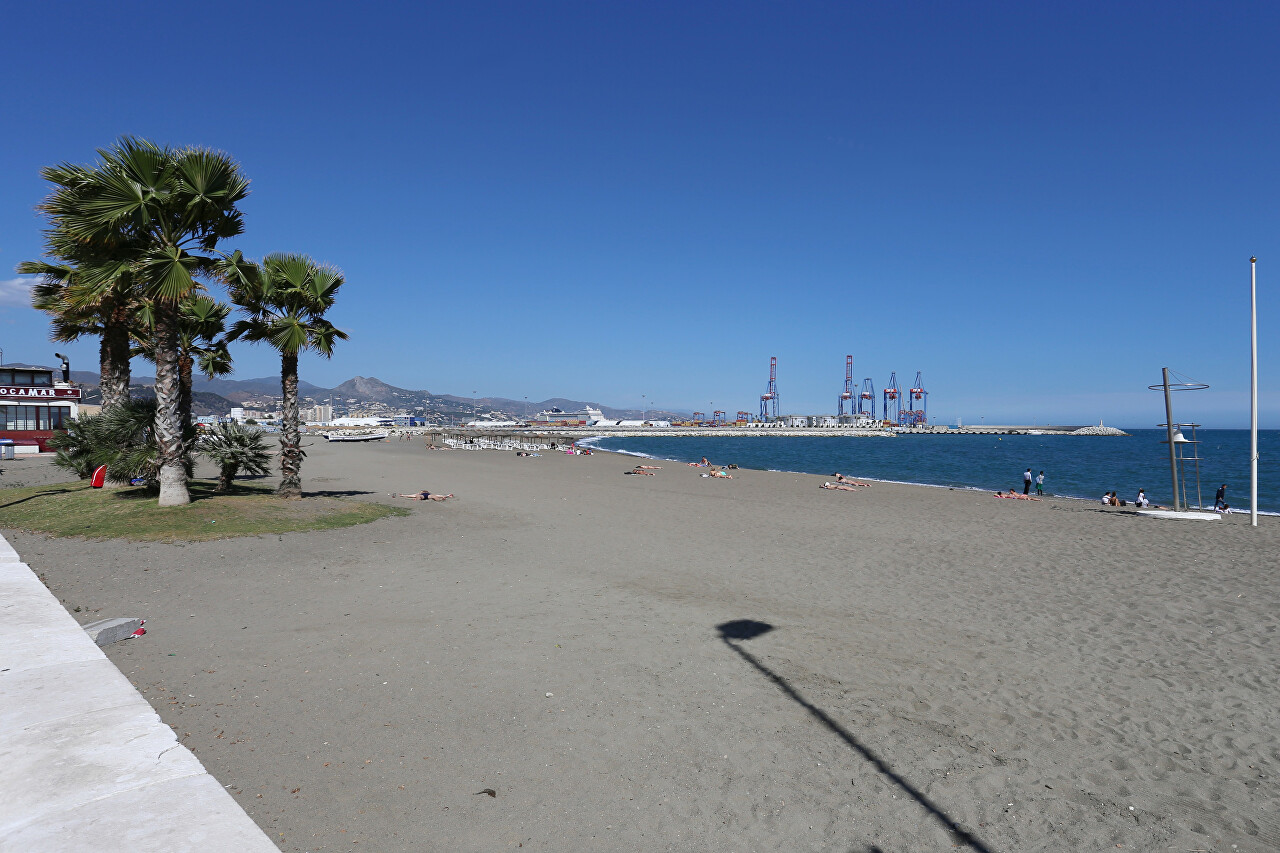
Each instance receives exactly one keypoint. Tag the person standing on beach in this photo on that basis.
(1220, 499)
(1026, 482)
(1040, 484)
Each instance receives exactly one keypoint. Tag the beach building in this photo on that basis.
(361, 422)
(34, 402)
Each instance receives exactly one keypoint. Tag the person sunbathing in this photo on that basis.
(650, 467)
(640, 470)
(837, 487)
(841, 478)
(423, 495)
(1014, 496)
(723, 475)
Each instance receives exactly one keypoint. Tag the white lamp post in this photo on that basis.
(1253, 391)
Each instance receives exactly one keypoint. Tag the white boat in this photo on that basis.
(585, 417)
(361, 435)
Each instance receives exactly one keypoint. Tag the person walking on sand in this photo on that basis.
(1026, 482)
(1040, 483)
(1220, 499)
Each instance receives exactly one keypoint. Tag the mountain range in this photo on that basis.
(217, 396)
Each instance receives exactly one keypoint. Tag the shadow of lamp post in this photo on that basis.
(735, 633)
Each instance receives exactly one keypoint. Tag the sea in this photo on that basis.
(1074, 466)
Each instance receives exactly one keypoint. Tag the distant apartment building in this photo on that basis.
(240, 415)
(321, 414)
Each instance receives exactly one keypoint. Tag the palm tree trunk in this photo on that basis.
(225, 476)
(173, 472)
(185, 363)
(290, 438)
(113, 357)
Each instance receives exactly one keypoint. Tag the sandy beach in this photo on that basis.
(935, 668)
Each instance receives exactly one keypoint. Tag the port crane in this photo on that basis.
(892, 399)
(867, 399)
(917, 411)
(770, 395)
(847, 394)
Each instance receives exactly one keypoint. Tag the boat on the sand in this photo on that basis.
(358, 435)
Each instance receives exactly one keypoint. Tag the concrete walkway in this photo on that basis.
(85, 763)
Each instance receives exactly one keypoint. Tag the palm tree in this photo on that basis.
(233, 448)
(284, 300)
(161, 209)
(202, 320)
(89, 293)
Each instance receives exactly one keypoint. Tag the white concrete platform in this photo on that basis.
(1182, 516)
(104, 632)
(85, 763)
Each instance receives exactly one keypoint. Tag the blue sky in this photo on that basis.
(1037, 205)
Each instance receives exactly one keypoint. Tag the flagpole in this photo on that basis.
(1253, 391)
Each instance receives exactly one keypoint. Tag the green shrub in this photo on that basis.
(123, 438)
(235, 449)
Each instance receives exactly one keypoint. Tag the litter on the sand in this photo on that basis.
(488, 791)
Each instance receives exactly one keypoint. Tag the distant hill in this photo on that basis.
(376, 390)
(202, 402)
(218, 396)
(143, 387)
(266, 386)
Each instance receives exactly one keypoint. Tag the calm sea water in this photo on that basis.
(1082, 467)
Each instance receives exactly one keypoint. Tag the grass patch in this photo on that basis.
(75, 509)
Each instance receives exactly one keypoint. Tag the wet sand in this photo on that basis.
(934, 668)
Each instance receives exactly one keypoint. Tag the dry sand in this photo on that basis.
(1039, 676)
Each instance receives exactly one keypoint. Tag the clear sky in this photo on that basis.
(1037, 205)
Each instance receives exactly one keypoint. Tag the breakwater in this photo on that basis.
(577, 433)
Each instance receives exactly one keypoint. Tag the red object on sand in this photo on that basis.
(99, 477)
